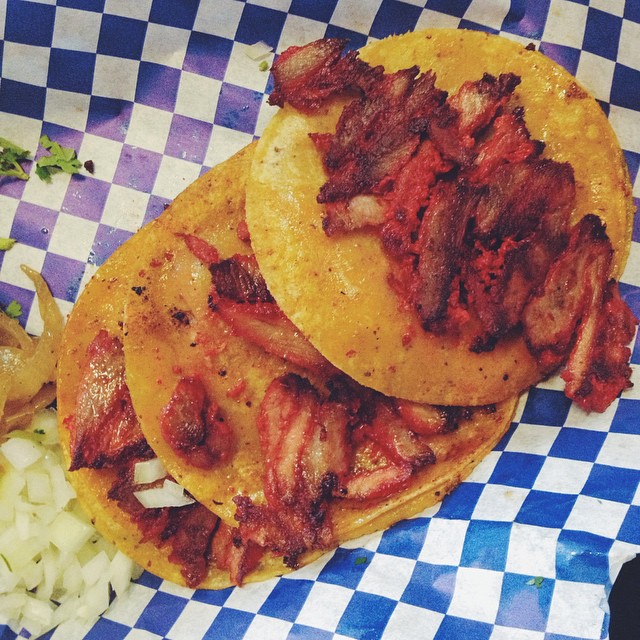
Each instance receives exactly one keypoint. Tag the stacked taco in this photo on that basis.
(326, 333)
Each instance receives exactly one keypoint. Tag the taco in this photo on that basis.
(252, 420)
(143, 512)
(444, 214)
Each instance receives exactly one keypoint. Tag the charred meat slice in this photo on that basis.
(598, 371)
(521, 197)
(239, 279)
(507, 140)
(193, 427)
(439, 246)
(377, 134)
(306, 453)
(307, 76)
(241, 297)
(104, 428)
(467, 113)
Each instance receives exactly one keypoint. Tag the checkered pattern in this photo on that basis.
(157, 91)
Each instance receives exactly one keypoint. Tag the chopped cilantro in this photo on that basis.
(11, 156)
(263, 66)
(40, 432)
(6, 243)
(361, 560)
(536, 582)
(13, 309)
(59, 159)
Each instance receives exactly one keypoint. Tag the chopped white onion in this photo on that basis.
(148, 471)
(258, 50)
(21, 452)
(55, 569)
(170, 494)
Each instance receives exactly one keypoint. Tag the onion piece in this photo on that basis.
(148, 471)
(170, 494)
(258, 50)
(50, 553)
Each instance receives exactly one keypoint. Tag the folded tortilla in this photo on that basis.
(336, 289)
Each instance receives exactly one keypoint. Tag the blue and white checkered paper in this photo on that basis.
(157, 91)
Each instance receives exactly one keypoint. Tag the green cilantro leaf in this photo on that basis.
(11, 156)
(361, 560)
(536, 582)
(59, 159)
(6, 243)
(13, 309)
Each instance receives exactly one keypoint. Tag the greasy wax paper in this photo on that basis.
(155, 92)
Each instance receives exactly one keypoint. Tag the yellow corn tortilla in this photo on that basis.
(335, 289)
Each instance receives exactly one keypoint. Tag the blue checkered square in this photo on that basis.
(260, 24)
(207, 55)
(137, 168)
(625, 87)
(157, 86)
(22, 99)
(22, 296)
(547, 407)
(574, 564)
(453, 627)
(546, 509)
(29, 23)
(394, 17)
(517, 469)
(356, 40)
(486, 545)
(238, 108)
(107, 240)
(229, 623)
(526, 19)
(286, 599)
(302, 632)
(188, 139)
(85, 5)
(405, 539)
(172, 14)
(64, 274)
(321, 11)
(632, 11)
(523, 605)
(612, 483)
(108, 629)
(161, 613)
(366, 615)
(71, 70)
(155, 207)
(31, 225)
(630, 528)
(122, 37)
(86, 197)
(577, 444)
(568, 57)
(450, 7)
(216, 597)
(431, 586)
(345, 568)
(459, 504)
(602, 34)
(109, 117)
